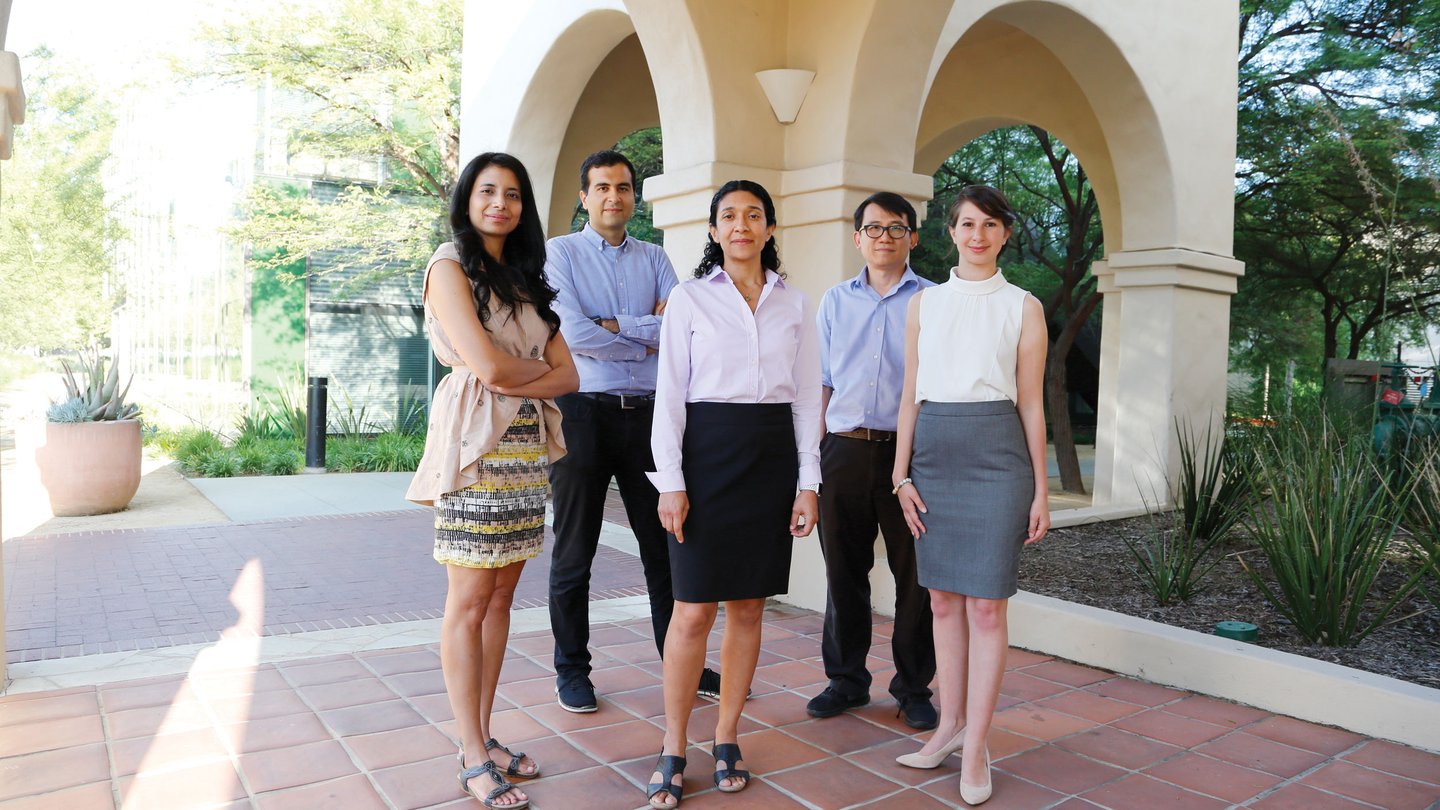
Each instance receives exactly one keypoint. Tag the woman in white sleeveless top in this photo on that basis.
(970, 470)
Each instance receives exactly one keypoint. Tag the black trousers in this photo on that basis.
(854, 500)
(603, 442)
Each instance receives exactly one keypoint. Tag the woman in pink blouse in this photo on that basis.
(736, 440)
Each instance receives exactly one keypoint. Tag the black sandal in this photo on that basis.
(729, 753)
(513, 769)
(502, 787)
(669, 767)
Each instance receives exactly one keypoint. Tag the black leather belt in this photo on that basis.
(869, 434)
(626, 402)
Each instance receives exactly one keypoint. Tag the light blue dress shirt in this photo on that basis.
(596, 279)
(862, 351)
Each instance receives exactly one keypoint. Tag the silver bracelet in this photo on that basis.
(899, 486)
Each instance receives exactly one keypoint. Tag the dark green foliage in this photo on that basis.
(269, 456)
(192, 443)
(345, 454)
(390, 452)
(202, 453)
(346, 418)
(1423, 522)
(1212, 494)
(1337, 196)
(1324, 518)
(411, 415)
(221, 463)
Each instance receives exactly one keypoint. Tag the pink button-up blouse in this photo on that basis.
(713, 349)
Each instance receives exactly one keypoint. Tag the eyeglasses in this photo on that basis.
(896, 231)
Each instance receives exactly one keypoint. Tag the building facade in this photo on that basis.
(1142, 92)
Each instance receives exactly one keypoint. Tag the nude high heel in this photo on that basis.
(978, 794)
(926, 762)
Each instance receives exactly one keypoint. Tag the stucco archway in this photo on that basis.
(1142, 92)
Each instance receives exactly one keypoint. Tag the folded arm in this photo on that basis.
(449, 293)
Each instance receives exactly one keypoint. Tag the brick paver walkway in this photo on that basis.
(373, 731)
(80, 594)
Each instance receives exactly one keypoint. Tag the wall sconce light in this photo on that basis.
(785, 88)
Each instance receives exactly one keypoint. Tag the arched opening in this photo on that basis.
(644, 148)
(1039, 64)
(1057, 238)
(618, 100)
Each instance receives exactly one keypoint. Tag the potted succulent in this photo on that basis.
(90, 463)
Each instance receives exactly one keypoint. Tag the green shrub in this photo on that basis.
(223, 462)
(257, 424)
(285, 413)
(193, 446)
(1211, 494)
(411, 415)
(347, 419)
(396, 452)
(164, 440)
(283, 459)
(1423, 522)
(1325, 531)
(347, 454)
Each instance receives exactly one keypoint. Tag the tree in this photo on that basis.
(377, 80)
(57, 233)
(1331, 219)
(1057, 237)
(1336, 193)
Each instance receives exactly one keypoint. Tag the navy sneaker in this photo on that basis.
(577, 695)
(709, 684)
(832, 702)
(919, 713)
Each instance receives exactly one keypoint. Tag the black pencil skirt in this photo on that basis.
(740, 471)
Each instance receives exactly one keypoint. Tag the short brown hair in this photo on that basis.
(989, 199)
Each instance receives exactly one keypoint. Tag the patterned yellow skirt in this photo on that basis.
(500, 519)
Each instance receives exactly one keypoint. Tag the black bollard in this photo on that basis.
(315, 426)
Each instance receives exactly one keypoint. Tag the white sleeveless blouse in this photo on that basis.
(969, 340)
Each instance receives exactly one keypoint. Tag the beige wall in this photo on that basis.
(1142, 92)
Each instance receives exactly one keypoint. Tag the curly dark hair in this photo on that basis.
(517, 276)
(714, 256)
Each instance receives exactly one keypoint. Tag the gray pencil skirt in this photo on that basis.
(971, 468)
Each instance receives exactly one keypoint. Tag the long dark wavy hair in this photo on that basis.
(714, 256)
(517, 276)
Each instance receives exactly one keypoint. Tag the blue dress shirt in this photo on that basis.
(862, 351)
(596, 279)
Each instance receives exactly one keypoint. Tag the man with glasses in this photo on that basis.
(862, 358)
(612, 290)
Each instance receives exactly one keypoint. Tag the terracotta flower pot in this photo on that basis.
(90, 468)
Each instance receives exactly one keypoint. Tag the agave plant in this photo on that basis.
(99, 399)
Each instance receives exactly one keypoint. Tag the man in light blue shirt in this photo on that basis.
(862, 368)
(612, 292)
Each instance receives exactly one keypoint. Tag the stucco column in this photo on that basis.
(815, 208)
(1163, 358)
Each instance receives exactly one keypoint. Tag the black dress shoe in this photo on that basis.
(831, 702)
(919, 713)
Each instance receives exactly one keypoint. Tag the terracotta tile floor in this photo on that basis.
(372, 730)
